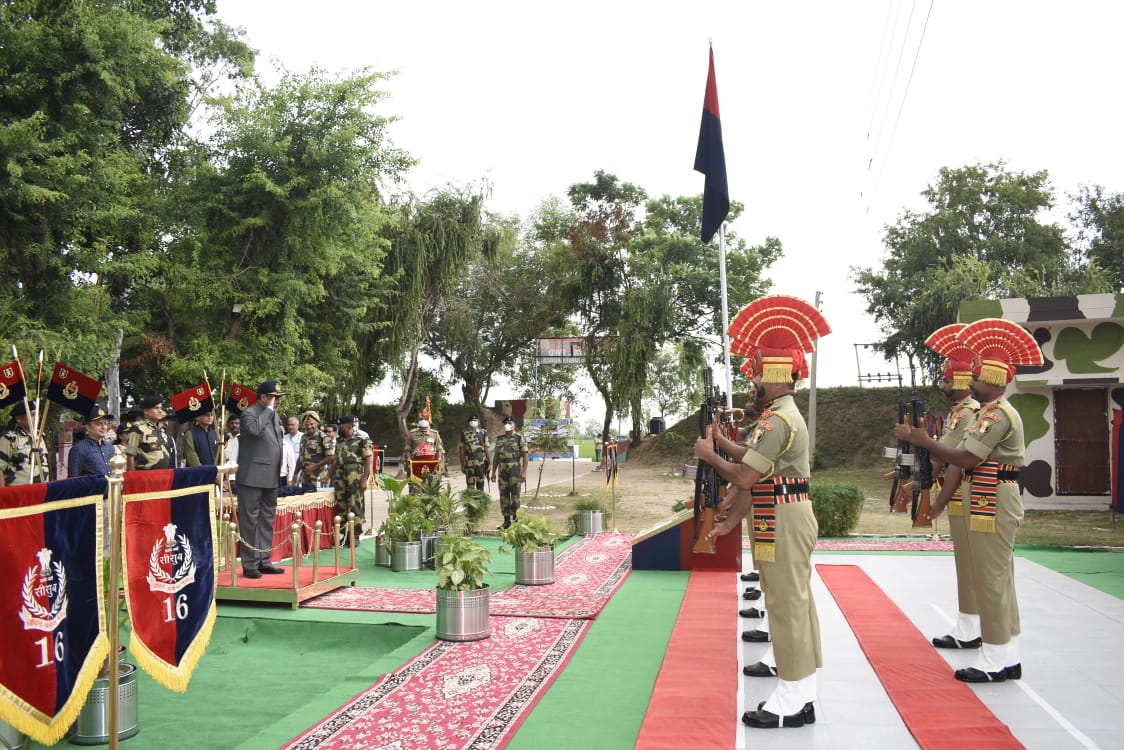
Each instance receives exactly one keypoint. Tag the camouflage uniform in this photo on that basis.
(474, 441)
(314, 450)
(350, 467)
(508, 456)
(425, 445)
(15, 458)
(150, 446)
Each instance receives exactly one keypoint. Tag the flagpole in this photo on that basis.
(725, 314)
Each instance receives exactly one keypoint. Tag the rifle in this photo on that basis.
(710, 488)
(922, 472)
(901, 488)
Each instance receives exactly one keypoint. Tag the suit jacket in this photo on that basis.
(259, 448)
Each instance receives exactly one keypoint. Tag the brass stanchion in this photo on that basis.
(351, 536)
(316, 551)
(232, 540)
(116, 510)
(295, 537)
(336, 542)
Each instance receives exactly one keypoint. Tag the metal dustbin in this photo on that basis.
(92, 726)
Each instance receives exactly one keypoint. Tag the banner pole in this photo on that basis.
(725, 314)
(116, 510)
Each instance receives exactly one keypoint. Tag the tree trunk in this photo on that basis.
(406, 403)
(113, 378)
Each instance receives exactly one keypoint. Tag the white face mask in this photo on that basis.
(509, 427)
(473, 423)
(423, 423)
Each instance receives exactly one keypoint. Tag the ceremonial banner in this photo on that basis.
(52, 623)
(710, 159)
(240, 397)
(170, 569)
(193, 402)
(11, 384)
(72, 389)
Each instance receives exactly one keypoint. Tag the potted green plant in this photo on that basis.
(405, 523)
(473, 504)
(591, 516)
(462, 595)
(394, 488)
(436, 500)
(531, 538)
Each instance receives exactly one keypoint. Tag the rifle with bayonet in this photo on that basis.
(710, 488)
(901, 489)
(922, 471)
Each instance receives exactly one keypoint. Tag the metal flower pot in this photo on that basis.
(11, 737)
(382, 552)
(590, 522)
(92, 726)
(463, 615)
(535, 568)
(428, 549)
(405, 556)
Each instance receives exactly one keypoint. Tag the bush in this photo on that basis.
(837, 506)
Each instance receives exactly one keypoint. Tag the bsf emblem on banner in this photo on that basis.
(243, 403)
(44, 594)
(71, 390)
(172, 553)
(193, 404)
(3, 391)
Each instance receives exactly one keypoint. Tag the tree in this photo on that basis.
(1099, 220)
(984, 236)
(434, 240)
(500, 306)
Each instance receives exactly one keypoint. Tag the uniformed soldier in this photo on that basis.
(991, 453)
(424, 442)
(15, 450)
(509, 469)
(149, 446)
(956, 378)
(474, 454)
(776, 332)
(352, 464)
(315, 453)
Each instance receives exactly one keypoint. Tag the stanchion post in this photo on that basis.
(295, 537)
(116, 509)
(351, 536)
(336, 541)
(316, 550)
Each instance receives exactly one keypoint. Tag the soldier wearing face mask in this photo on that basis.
(425, 443)
(509, 469)
(474, 454)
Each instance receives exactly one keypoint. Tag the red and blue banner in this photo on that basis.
(72, 389)
(12, 388)
(193, 402)
(52, 622)
(169, 550)
(240, 398)
(710, 159)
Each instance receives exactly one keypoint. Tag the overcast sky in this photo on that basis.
(819, 146)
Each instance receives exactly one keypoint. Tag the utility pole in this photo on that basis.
(812, 403)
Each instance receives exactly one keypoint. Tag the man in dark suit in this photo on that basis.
(259, 469)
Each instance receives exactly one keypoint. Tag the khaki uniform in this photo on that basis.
(960, 419)
(996, 436)
(508, 456)
(785, 529)
(474, 441)
(150, 447)
(352, 456)
(425, 444)
(15, 458)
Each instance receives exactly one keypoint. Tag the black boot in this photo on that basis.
(506, 521)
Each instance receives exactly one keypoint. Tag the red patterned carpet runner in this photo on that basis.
(455, 695)
(586, 575)
(940, 712)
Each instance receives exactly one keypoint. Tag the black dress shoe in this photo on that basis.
(751, 612)
(971, 674)
(271, 569)
(753, 575)
(247, 573)
(762, 719)
(752, 594)
(760, 669)
(755, 636)
(809, 711)
(1014, 672)
(947, 641)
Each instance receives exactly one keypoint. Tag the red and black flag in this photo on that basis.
(52, 622)
(170, 569)
(193, 402)
(72, 389)
(710, 159)
(12, 388)
(240, 398)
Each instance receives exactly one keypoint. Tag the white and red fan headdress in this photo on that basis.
(999, 345)
(775, 333)
(945, 341)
